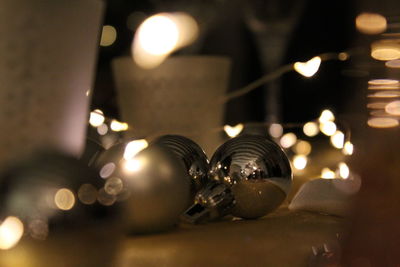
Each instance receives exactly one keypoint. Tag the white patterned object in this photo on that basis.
(48, 52)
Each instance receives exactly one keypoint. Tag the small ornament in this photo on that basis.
(153, 185)
(192, 155)
(251, 177)
(46, 190)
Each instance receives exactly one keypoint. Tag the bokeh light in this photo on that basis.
(233, 131)
(64, 199)
(328, 128)
(344, 171)
(377, 105)
(133, 165)
(371, 23)
(105, 199)
(134, 147)
(327, 173)
(108, 35)
(311, 129)
(395, 64)
(96, 118)
(299, 162)
(113, 186)
(383, 82)
(275, 130)
(385, 94)
(348, 148)
(385, 50)
(102, 129)
(11, 231)
(326, 115)
(337, 139)
(393, 108)
(107, 170)
(87, 194)
(309, 68)
(288, 140)
(383, 122)
(118, 126)
(302, 148)
(160, 35)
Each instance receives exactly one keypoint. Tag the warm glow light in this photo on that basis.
(383, 122)
(337, 139)
(310, 129)
(309, 68)
(383, 82)
(107, 170)
(133, 165)
(385, 94)
(134, 147)
(385, 50)
(344, 170)
(64, 199)
(11, 231)
(108, 35)
(160, 35)
(87, 194)
(393, 108)
(275, 130)
(377, 105)
(288, 140)
(371, 23)
(326, 115)
(348, 148)
(328, 128)
(102, 129)
(118, 126)
(343, 56)
(113, 186)
(233, 131)
(384, 87)
(96, 118)
(105, 199)
(395, 64)
(299, 162)
(327, 173)
(302, 148)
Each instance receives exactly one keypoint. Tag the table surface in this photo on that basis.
(282, 238)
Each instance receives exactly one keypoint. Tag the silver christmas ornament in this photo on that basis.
(191, 154)
(45, 191)
(251, 176)
(153, 186)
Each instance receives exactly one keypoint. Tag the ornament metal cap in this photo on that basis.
(215, 200)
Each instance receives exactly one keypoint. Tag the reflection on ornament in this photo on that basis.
(96, 118)
(191, 154)
(153, 186)
(251, 177)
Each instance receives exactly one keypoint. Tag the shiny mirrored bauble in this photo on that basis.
(257, 171)
(250, 177)
(153, 185)
(191, 154)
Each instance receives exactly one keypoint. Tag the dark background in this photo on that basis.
(259, 36)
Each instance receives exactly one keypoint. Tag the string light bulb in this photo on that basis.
(233, 131)
(309, 68)
(11, 231)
